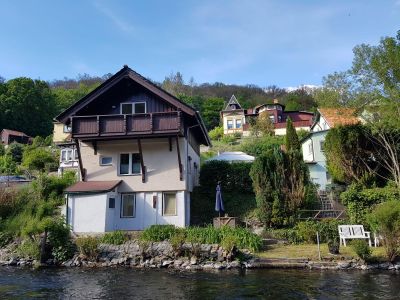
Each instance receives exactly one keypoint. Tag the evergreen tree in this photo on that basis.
(292, 140)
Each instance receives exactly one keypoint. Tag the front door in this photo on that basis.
(151, 202)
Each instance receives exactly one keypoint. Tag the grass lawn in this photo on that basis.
(310, 251)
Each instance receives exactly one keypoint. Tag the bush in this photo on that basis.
(114, 238)
(385, 220)
(289, 234)
(28, 249)
(359, 201)
(88, 246)
(5, 239)
(60, 242)
(228, 139)
(158, 233)
(362, 249)
(217, 133)
(307, 231)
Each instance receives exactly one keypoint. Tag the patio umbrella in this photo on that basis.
(219, 204)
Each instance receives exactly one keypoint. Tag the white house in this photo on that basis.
(313, 143)
(138, 151)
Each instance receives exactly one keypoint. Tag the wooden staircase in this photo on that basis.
(329, 208)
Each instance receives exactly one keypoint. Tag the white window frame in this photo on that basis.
(227, 124)
(68, 158)
(176, 204)
(310, 148)
(272, 118)
(133, 106)
(129, 164)
(67, 129)
(236, 123)
(122, 206)
(105, 164)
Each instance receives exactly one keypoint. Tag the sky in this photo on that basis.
(263, 42)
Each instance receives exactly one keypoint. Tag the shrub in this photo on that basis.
(158, 233)
(217, 133)
(307, 231)
(228, 139)
(5, 239)
(385, 219)
(28, 249)
(88, 246)
(114, 238)
(362, 249)
(62, 247)
(289, 234)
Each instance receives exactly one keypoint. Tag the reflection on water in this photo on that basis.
(120, 283)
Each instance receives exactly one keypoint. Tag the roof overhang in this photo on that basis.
(92, 187)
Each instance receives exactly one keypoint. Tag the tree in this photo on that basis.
(261, 125)
(211, 112)
(15, 151)
(291, 139)
(27, 105)
(40, 159)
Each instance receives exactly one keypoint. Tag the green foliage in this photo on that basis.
(261, 126)
(15, 151)
(306, 231)
(291, 138)
(348, 152)
(7, 165)
(27, 105)
(257, 146)
(289, 234)
(88, 246)
(359, 201)
(239, 237)
(210, 112)
(2, 149)
(28, 249)
(40, 159)
(217, 133)
(362, 249)
(114, 238)
(385, 220)
(228, 139)
(158, 233)
(59, 240)
(5, 238)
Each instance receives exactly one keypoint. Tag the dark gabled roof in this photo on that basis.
(125, 72)
(93, 186)
(233, 101)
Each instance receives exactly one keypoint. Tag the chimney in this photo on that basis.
(276, 101)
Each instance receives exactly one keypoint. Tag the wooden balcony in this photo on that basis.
(160, 123)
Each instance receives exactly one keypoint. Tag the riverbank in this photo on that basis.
(161, 255)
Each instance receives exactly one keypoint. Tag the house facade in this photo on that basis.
(138, 152)
(8, 136)
(236, 119)
(313, 143)
(68, 153)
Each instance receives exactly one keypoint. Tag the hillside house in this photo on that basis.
(236, 119)
(8, 136)
(62, 138)
(313, 143)
(138, 151)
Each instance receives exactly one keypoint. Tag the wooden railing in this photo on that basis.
(321, 214)
(117, 125)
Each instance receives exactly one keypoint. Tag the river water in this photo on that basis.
(124, 283)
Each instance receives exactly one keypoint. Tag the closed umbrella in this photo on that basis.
(219, 204)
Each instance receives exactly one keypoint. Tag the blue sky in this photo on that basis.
(286, 43)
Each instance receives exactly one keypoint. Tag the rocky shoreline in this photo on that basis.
(159, 255)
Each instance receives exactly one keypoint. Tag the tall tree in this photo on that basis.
(291, 139)
(27, 105)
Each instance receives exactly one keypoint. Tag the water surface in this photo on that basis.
(123, 283)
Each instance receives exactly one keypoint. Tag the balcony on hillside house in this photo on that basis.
(111, 126)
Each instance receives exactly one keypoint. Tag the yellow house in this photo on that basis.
(233, 117)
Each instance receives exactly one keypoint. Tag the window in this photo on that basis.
(310, 148)
(238, 123)
(105, 160)
(322, 146)
(111, 203)
(169, 204)
(272, 119)
(76, 155)
(230, 124)
(133, 108)
(128, 204)
(67, 129)
(66, 155)
(126, 108)
(139, 108)
(129, 164)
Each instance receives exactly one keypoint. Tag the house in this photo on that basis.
(9, 136)
(313, 143)
(232, 157)
(236, 119)
(138, 149)
(68, 154)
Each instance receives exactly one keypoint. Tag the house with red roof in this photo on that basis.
(8, 136)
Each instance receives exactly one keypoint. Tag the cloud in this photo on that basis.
(118, 21)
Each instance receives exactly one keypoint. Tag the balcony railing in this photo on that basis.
(119, 125)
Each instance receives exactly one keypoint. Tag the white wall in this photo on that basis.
(87, 213)
(282, 131)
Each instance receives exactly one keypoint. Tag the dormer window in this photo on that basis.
(133, 108)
